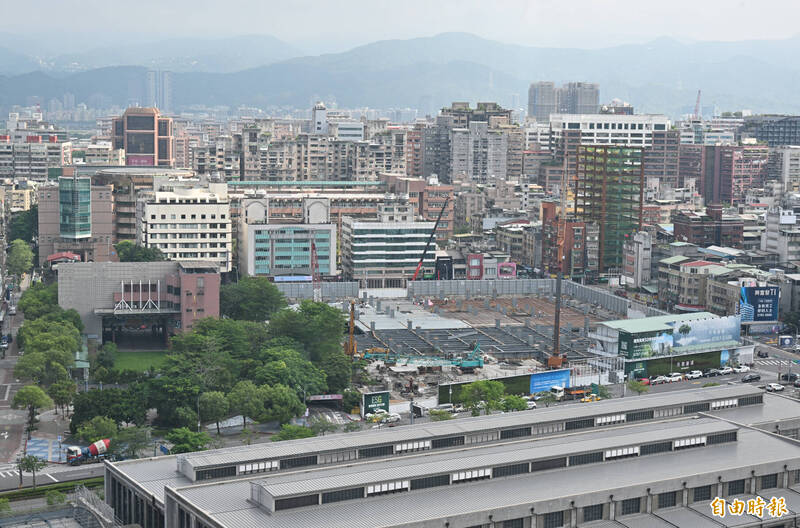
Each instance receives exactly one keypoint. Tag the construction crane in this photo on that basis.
(556, 360)
(696, 115)
(430, 239)
(350, 348)
(316, 284)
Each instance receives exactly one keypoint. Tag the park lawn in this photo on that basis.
(139, 361)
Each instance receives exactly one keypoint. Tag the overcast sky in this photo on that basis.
(334, 25)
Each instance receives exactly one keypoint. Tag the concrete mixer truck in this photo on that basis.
(84, 455)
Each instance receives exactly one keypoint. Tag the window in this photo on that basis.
(387, 487)
(769, 481)
(513, 469)
(588, 458)
(299, 462)
(369, 452)
(551, 463)
(342, 495)
(721, 438)
(593, 512)
(473, 474)
(514, 523)
(661, 447)
(701, 493)
(259, 467)
(668, 499)
(686, 443)
(630, 506)
(624, 452)
(515, 433)
(447, 442)
(751, 400)
(736, 487)
(553, 519)
(206, 474)
(638, 416)
(296, 502)
(430, 482)
(579, 424)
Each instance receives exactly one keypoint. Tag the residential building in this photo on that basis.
(16, 200)
(415, 151)
(782, 235)
(730, 170)
(478, 153)
(145, 136)
(158, 86)
(428, 198)
(117, 298)
(584, 468)
(545, 99)
(580, 254)
(691, 164)
(34, 158)
(102, 153)
(284, 249)
(609, 192)
(77, 217)
(662, 159)
(682, 282)
(384, 253)
(711, 227)
(490, 113)
(638, 251)
(542, 100)
(788, 167)
(774, 130)
(187, 222)
(468, 205)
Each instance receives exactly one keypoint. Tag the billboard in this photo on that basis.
(372, 401)
(706, 331)
(507, 270)
(759, 303)
(786, 341)
(645, 344)
(542, 381)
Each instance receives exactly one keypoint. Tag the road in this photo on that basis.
(9, 477)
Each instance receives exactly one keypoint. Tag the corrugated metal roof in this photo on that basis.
(653, 324)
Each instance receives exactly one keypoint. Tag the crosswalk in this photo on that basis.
(8, 474)
(774, 362)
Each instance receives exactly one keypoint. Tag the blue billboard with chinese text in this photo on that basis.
(759, 303)
(543, 381)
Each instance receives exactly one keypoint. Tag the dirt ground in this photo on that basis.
(541, 310)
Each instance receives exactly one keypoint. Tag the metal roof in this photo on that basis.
(653, 324)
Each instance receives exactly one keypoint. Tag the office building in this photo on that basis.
(116, 298)
(187, 223)
(609, 192)
(656, 460)
(276, 249)
(774, 130)
(145, 136)
(158, 90)
(427, 197)
(709, 227)
(384, 253)
(730, 170)
(77, 217)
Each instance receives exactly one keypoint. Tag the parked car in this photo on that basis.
(531, 404)
(643, 381)
(724, 371)
(12, 310)
(590, 398)
(710, 373)
(796, 383)
(659, 379)
(774, 387)
(762, 354)
(674, 376)
(749, 378)
(459, 408)
(789, 376)
(741, 368)
(390, 418)
(694, 374)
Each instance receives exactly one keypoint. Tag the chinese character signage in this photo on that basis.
(759, 303)
(374, 401)
(758, 507)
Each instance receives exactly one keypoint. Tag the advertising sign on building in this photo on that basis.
(759, 303)
(372, 401)
(543, 381)
(707, 331)
(786, 341)
(645, 344)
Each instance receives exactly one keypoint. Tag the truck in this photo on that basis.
(94, 453)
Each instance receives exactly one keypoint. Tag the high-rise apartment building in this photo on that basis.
(730, 170)
(427, 197)
(33, 157)
(609, 192)
(478, 153)
(158, 90)
(773, 130)
(581, 244)
(415, 151)
(145, 136)
(545, 99)
(788, 167)
(187, 223)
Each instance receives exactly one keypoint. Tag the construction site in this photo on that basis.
(505, 329)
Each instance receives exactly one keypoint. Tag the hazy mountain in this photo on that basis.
(14, 62)
(660, 76)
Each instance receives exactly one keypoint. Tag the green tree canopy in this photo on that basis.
(280, 403)
(127, 251)
(285, 366)
(292, 432)
(512, 403)
(637, 386)
(97, 428)
(124, 406)
(485, 393)
(320, 426)
(129, 442)
(186, 441)
(39, 300)
(31, 464)
(438, 415)
(24, 225)
(213, 407)
(245, 399)
(250, 299)
(31, 397)
(62, 392)
(20, 258)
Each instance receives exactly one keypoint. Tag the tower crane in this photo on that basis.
(430, 238)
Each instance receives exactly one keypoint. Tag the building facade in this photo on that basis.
(711, 227)
(145, 136)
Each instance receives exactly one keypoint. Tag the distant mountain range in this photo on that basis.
(427, 73)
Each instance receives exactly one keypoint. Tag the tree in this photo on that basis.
(245, 398)
(32, 398)
(97, 428)
(24, 225)
(129, 442)
(485, 393)
(247, 436)
(5, 506)
(684, 329)
(39, 300)
(350, 399)
(603, 392)
(187, 441)
(130, 252)
(106, 355)
(250, 299)
(513, 403)
(317, 326)
(292, 432)
(637, 386)
(124, 406)
(62, 392)
(284, 365)
(280, 403)
(54, 497)
(438, 415)
(213, 407)
(20, 258)
(547, 398)
(321, 426)
(30, 464)
(351, 427)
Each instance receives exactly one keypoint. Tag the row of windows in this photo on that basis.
(207, 474)
(259, 467)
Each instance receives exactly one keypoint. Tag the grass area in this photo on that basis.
(41, 488)
(139, 360)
